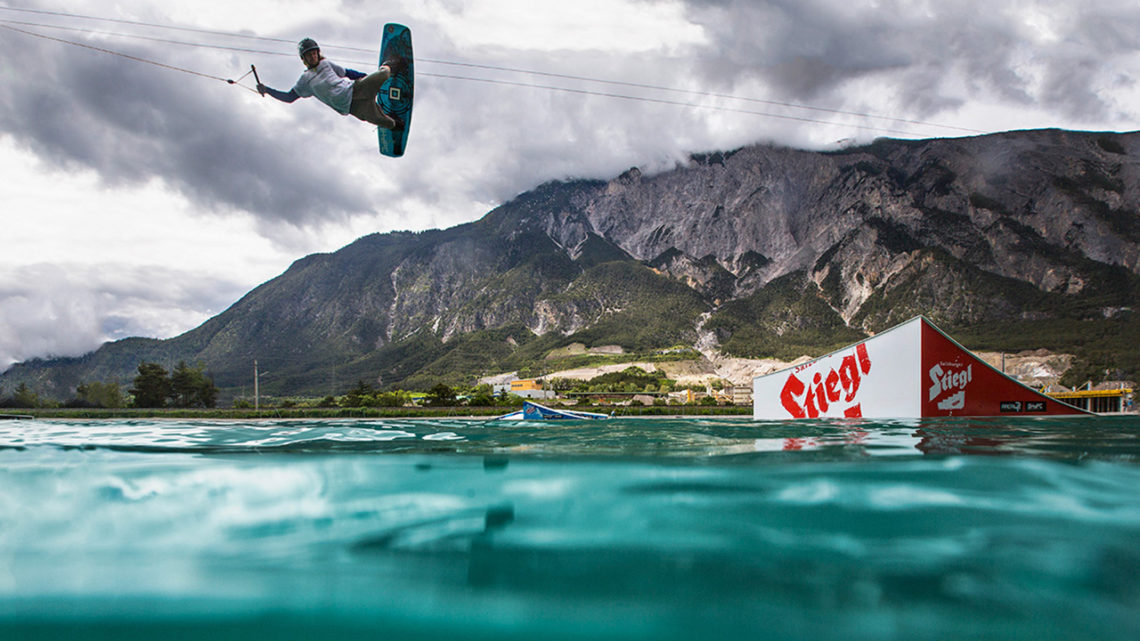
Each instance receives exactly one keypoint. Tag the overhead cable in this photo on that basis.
(470, 65)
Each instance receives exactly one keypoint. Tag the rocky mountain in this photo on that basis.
(1011, 241)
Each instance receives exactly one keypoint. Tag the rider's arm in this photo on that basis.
(283, 96)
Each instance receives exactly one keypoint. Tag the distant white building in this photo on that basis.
(742, 395)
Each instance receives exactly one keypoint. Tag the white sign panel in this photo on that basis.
(872, 379)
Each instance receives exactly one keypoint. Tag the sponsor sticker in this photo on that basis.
(1022, 406)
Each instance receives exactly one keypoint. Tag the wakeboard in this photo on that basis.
(395, 96)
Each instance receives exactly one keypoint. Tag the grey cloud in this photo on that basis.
(801, 48)
(807, 50)
(67, 310)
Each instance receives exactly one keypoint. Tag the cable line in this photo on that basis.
(4, 25)
(677, 103)
(119, 34)
(469, 65)
(711, 95)
(63, 14)
(646, 99)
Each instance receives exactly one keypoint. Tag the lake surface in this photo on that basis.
(624, 529)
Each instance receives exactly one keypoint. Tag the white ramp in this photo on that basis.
(912, 370)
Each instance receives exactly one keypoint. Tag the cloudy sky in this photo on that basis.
(139, 200)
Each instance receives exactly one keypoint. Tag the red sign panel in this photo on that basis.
(957, 383)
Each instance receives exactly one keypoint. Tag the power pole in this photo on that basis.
(256, 391)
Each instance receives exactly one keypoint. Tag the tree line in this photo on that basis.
(191, 387)
(185, 386)
(153, 387)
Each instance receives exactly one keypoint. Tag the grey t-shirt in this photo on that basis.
(328, 82)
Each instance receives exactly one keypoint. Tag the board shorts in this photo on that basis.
(364, 92)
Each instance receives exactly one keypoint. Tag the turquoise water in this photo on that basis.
(621, 529)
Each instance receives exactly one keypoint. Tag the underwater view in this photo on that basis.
(655, 528)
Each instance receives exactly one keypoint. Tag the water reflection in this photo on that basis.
(709, 438)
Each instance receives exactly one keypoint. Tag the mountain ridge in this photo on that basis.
(1003, 239)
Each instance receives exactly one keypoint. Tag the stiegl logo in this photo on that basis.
(945, 380)
(836, 386)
